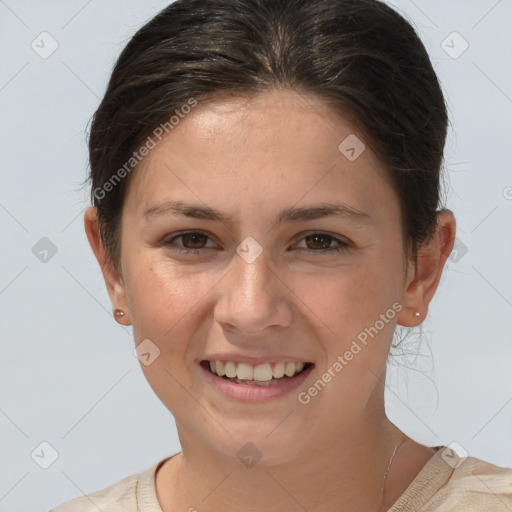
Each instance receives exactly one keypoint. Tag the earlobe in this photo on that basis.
(113, 280)
(420, 289)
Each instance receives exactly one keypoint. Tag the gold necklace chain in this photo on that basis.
(389, 467)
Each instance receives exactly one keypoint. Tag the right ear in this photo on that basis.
(113, 279)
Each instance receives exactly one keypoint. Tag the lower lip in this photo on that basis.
(255, 393)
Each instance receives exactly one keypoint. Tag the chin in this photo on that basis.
(253, 446)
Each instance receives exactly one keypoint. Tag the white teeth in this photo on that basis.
(219, 368)
(230, 369)
(289, 369)
(261, 373)
(244, 372)
(279, 370)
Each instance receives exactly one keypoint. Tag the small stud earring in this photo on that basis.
(119, 312)
(416, 314)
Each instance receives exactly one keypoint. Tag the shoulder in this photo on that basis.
(472, 474)
(121, 496)
(450, 483)
(475, 485)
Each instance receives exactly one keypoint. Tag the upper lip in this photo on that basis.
(252, 360)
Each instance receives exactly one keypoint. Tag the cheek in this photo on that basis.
(164, 300)
(349, 297)
(353, 316)
(167, 306)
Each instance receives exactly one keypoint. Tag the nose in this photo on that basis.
(253, 299)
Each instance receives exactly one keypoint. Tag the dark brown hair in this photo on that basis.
(361, 56)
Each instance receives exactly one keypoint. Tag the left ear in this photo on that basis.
(422, 281)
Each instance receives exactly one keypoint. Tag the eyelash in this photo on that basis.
(341, 247)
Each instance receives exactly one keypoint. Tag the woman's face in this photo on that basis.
(256, 287)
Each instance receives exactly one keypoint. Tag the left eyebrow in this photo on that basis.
(288, 215)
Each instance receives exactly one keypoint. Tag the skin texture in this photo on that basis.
(251, 159)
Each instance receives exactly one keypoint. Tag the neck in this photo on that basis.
(345, 472)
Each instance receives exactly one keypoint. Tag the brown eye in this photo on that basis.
(321, 243)
(192, 242)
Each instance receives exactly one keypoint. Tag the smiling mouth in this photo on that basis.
(266, 374)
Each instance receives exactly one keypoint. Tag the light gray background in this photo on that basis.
(69, 377)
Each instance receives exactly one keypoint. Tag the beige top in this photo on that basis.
(447, 483)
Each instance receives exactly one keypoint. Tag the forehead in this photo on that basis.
(275, 146)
